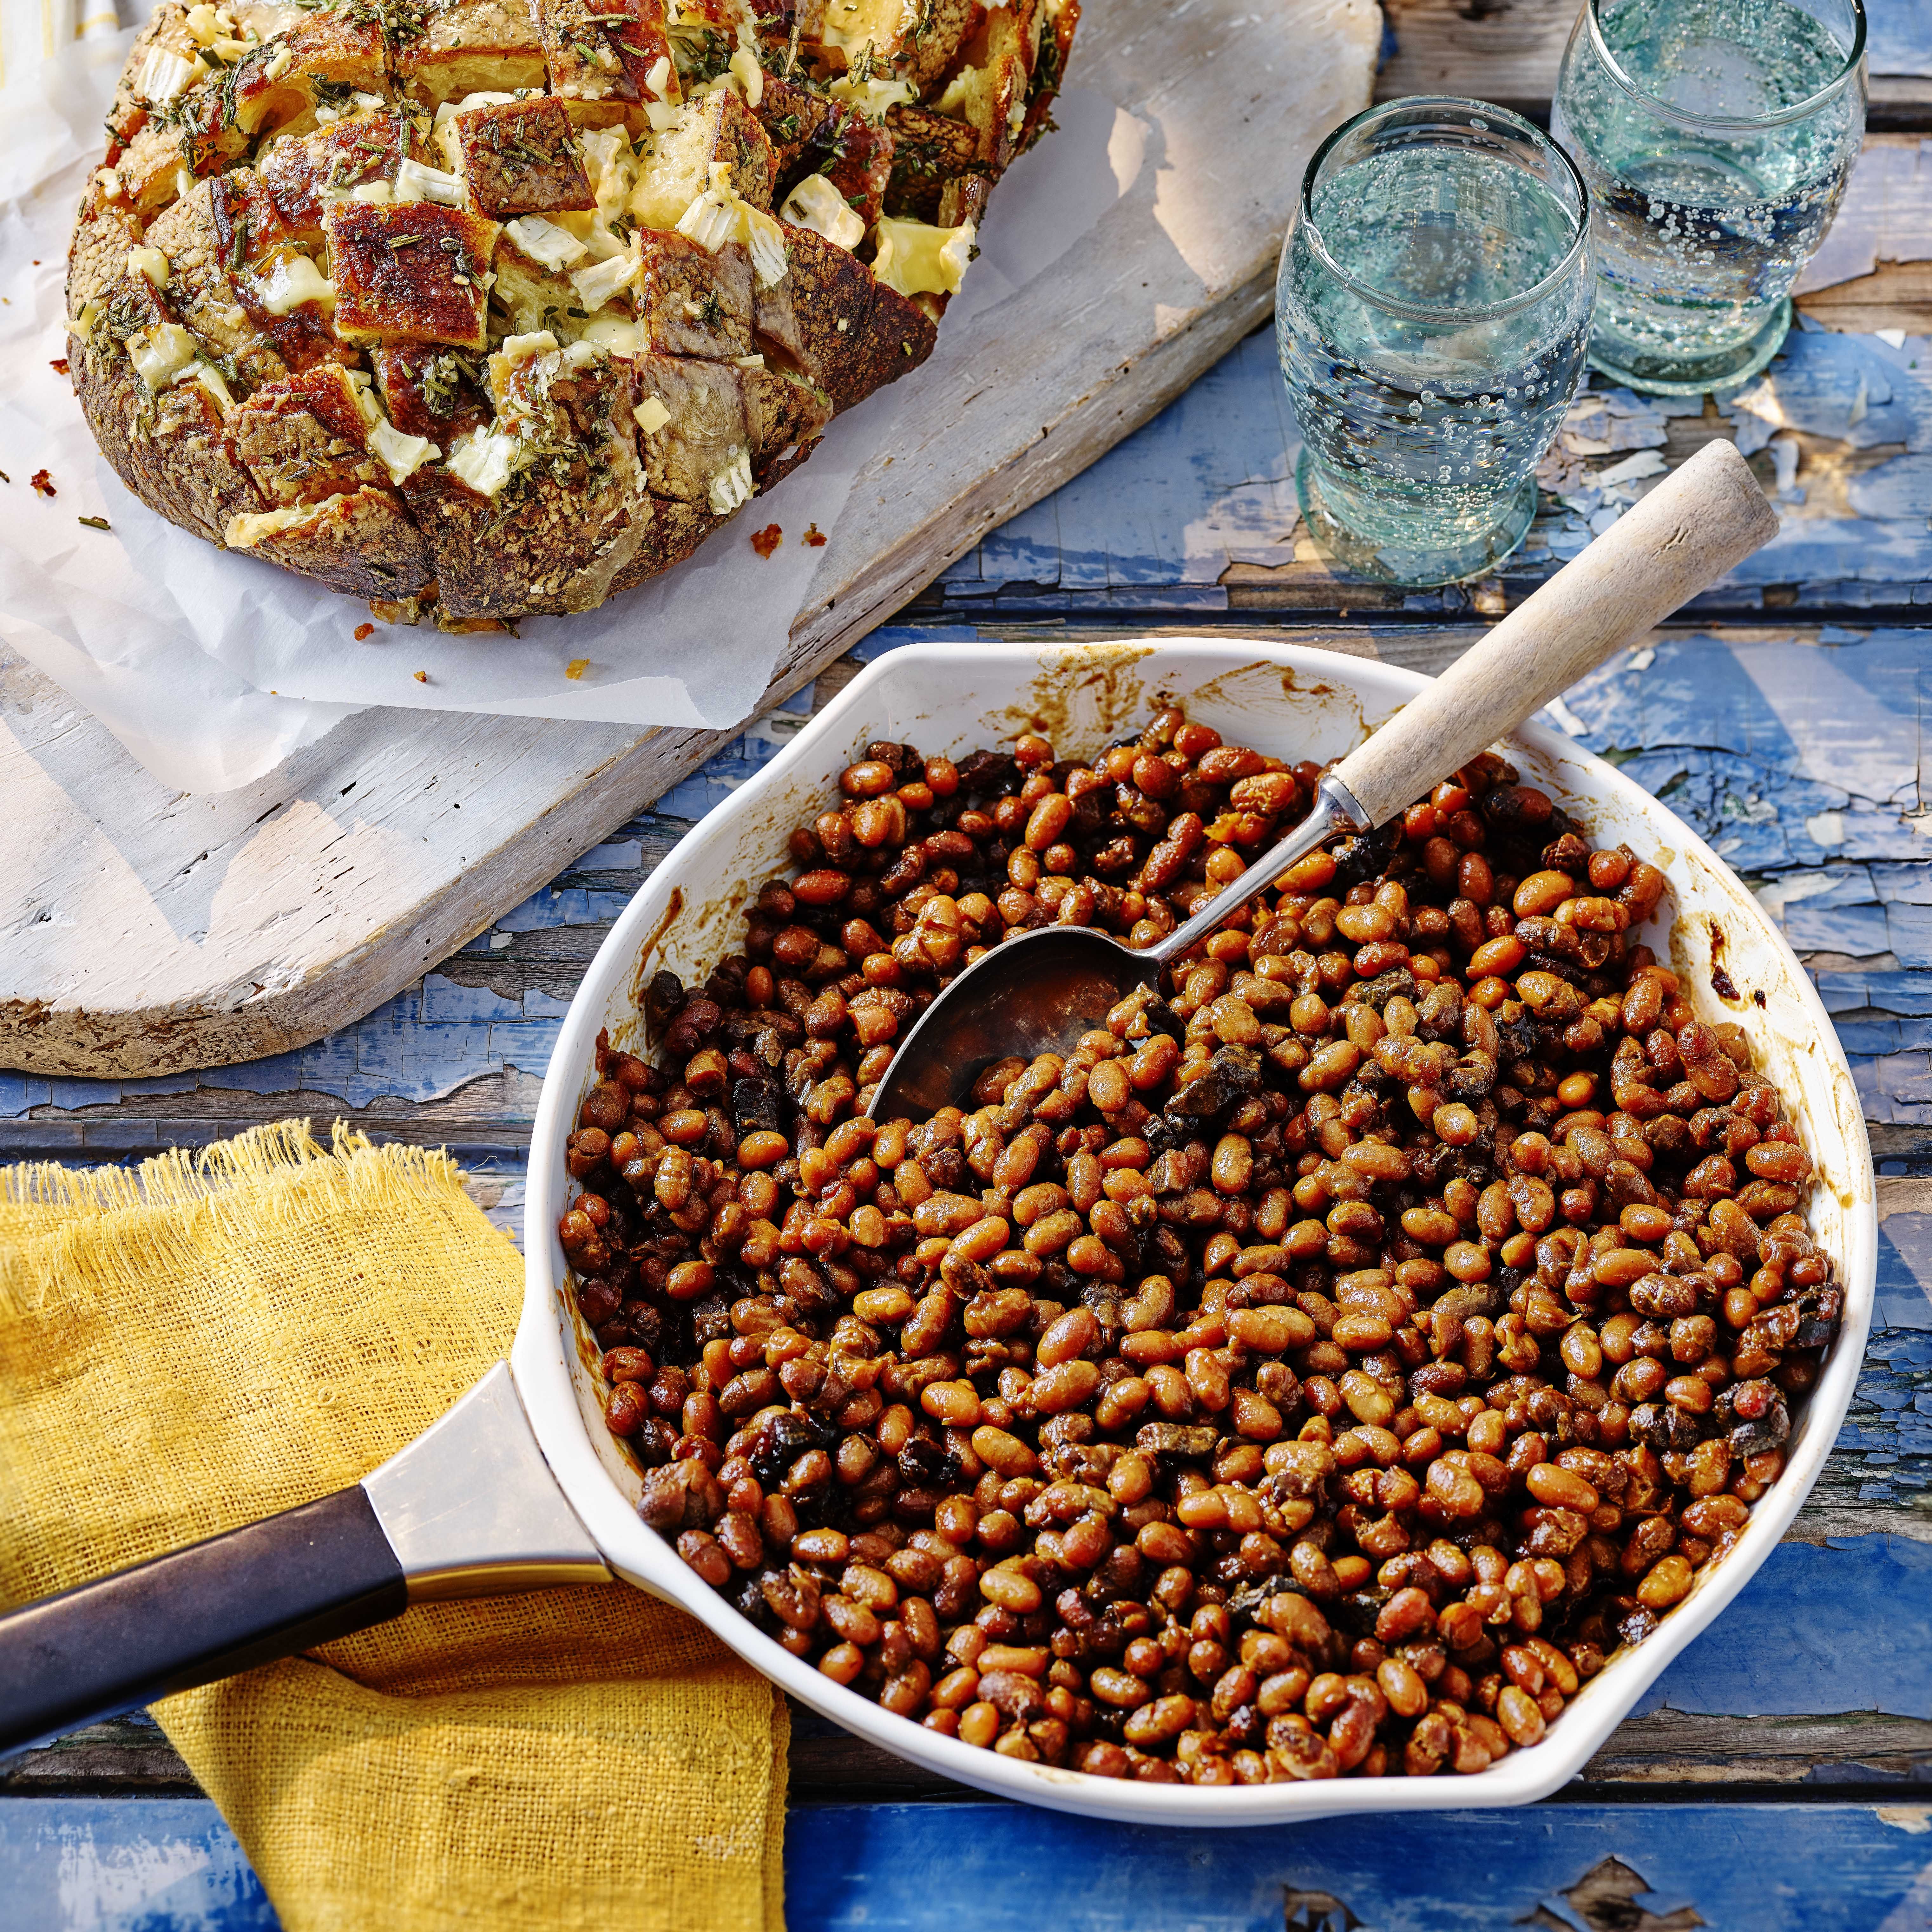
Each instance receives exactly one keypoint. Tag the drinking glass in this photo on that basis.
(1431, 312)
(1716, 137)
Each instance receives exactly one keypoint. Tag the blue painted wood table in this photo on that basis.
(1779, 1775)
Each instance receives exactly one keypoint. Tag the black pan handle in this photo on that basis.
(269, 1590)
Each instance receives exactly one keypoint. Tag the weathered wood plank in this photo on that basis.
(1795, 750)
(1638, 1868)
(170, 1865)
(1197, 511)
(1509, 51)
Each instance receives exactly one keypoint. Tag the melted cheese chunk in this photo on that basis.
(652, 415)
(545, 241)
(212, 379)
(415, 182)
(358, 103)
(213, 28)
(597, 284)
(162, 354)
(401, 455)
(616, 334)
(521, 348)
(150, 262)
(731, 487)
(721, 214)
(856, 24)
(612, 165)
(659, 79)
(485, 459)
(163, 75)
(917, 259)
(245, 531)
(746, 71)
(364, 386)
(817, 205)
(872, 98)
(293, 281)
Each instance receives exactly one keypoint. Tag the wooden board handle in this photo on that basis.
(1698, 523)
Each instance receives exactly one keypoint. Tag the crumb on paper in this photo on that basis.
(576, 668)
(814, 538)
(363, 631)
(94, 523)
(765, 540)
(41, 481)
(421, 676)
(59, 365)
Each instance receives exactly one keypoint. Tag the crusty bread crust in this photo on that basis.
(479, 308)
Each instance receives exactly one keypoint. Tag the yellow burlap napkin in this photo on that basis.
(224, 1335)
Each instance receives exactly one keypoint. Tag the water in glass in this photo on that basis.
(1432, 311)
(1716, 137)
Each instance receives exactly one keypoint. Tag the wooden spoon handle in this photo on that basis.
(1696, 525)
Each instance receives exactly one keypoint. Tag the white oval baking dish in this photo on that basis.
(1294, 703)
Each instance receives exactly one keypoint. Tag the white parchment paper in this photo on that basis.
(211, 666)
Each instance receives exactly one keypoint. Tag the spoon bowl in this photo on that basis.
(1038, 991)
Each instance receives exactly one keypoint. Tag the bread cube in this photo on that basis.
(542, 510)
(161, 66)
(672, 530)
(690, 301)
(931, 152)
(302, 173)
(324, 58)
(784, 415)
(305, 438)
(471, 46)
(361, 542)
(677, 169)
(201, 294)
(173, 450)
(609, 58)
(700, 451)
(810, 135)
(429, 391)
(106, 229)
(411, 273)
(994, 81)
(518, 158)
(533, 295)
(834, 321)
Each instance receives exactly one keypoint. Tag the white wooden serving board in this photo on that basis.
(147, 932)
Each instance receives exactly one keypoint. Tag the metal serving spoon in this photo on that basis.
(1038, 991)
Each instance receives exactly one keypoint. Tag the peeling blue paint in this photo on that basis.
(171, 1865)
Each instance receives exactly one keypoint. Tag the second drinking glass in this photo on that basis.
(1717, 137)
(1432, 311)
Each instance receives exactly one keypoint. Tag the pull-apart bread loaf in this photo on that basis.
(481, 308)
